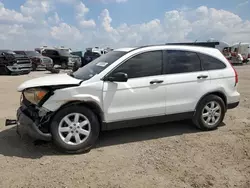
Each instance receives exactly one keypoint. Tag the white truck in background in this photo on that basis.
(240, 53)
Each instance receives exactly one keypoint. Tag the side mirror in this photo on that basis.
(117, 77)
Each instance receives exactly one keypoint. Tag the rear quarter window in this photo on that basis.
(211, 63)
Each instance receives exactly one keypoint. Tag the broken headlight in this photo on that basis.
(35, 95)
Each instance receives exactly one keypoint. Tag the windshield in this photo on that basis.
(98, 65)
(64, 52)
(32, 53)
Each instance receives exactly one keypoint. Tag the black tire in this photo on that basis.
(55, 71)
(34, 66)
(7, 71)
(197, 119)
(4, 71)
(64, 65)
(88, 143)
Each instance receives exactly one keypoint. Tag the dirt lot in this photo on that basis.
(169, 155)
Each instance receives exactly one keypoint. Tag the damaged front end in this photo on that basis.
(32, 118)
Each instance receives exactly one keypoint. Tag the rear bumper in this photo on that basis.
(233, 105)
(27, 125)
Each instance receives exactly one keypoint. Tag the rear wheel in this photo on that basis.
(210, 112)
(75, 129)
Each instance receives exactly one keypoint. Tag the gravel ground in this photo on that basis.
(167, 155)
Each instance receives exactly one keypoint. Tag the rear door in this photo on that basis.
(186, 81)
(222, 78)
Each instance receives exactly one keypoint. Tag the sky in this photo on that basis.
(78, 24)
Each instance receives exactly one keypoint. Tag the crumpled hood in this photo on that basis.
(54, 80)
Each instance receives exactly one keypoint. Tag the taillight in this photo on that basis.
(248, 55)
(235, 74)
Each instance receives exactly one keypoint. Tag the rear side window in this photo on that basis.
(142, 65)
(178, 61)
(211, 63)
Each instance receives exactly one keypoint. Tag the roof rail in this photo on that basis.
(204, 44)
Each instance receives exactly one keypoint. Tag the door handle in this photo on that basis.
(156, 81)
(202, 76)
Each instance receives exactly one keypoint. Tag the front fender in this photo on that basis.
(53, 104)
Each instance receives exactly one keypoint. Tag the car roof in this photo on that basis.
(166, 47)
(242, 43)
(124, 49)
(214, 52)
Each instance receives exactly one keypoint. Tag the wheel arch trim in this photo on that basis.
(215, 92)
(92, 105)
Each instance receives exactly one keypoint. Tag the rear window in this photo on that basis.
(211, 63)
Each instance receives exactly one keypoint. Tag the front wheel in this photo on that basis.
(210, 112)
(64, 65)
(75, 129)
(34, 67)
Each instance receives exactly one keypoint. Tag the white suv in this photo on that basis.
(129, 87)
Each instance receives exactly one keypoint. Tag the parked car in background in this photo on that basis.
(129, 87)
(12, 63)
(90, 55)
(80, 54)
(62, 57)
(39, 62)
(86, 56)
(240, 53)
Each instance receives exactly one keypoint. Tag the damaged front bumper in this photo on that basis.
(25, 124)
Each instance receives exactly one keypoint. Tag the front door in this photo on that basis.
(143, 95)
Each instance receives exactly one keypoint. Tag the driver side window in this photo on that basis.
(142, 65)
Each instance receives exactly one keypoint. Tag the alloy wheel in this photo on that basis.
(211, 113)
(74, 129)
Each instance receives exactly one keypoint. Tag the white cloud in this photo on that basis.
(113, 1)
(243, 3)
(66, 32)
(55, 19)
(8, 16)
(87, 23)
(38, 23)
(36, 8)
(106, 20)
(67, 1)
(81, 11)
